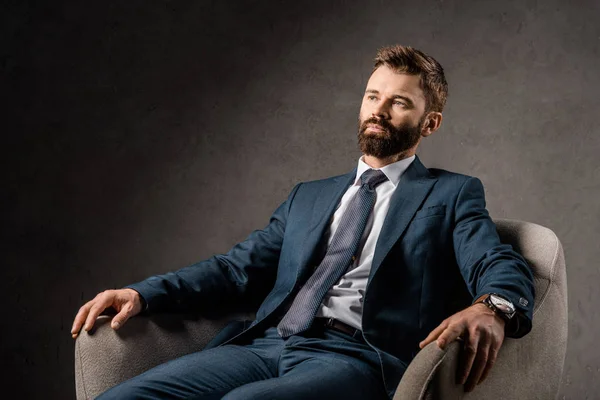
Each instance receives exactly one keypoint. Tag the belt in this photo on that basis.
(337, 325)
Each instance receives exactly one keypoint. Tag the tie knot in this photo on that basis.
(372, 178)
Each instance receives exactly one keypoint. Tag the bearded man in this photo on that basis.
(356, 272)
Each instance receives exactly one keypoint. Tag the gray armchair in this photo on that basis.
(526, 368)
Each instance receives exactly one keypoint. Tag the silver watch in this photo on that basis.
(501, 306)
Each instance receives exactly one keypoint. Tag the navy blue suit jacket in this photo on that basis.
(437, 251)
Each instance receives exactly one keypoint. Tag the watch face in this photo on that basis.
(504, 308)
(502, 304)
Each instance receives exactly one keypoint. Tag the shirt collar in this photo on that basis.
(392, 171)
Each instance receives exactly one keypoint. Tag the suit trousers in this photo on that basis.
(320, 363)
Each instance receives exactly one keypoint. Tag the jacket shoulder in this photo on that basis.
(327, 181)
(449, 177)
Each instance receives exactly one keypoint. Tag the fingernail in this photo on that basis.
(74, 335)
(116, 325)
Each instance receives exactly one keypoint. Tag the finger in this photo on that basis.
(80, 318)
(122, 317)
(449, 335)
(92, 315)
(468, 357)
(100, 304)
(478, 366)
(492, 356)
(433, 335)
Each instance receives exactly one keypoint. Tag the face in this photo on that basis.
(392, 114)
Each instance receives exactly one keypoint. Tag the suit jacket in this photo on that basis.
(437, 251)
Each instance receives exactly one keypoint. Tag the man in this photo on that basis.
(359, 271)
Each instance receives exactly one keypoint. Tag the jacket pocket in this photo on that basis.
(431, 211)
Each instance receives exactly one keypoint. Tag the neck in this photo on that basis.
(375, 162)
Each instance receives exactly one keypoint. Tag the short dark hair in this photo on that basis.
(411, 61)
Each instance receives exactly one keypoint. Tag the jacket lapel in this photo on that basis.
(325, 205)
(414, 186)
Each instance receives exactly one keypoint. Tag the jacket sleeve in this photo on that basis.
(487, 265)
(248, 270)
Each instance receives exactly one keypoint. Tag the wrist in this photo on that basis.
(486, 310)
(139, 299)
(502, 308)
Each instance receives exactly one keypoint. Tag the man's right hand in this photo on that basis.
(127, 302)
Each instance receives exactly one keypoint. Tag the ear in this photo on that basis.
(432, 123)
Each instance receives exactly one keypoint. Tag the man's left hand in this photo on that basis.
(483, 334)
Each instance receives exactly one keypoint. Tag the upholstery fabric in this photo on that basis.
(527, 368)
(104, 357)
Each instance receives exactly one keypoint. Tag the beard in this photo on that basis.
(393, 140)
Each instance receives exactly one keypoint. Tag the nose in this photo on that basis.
(380, 111)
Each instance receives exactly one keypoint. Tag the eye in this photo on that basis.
(399, 103)
(371, 97)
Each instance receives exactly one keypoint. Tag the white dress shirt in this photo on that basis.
(345, 299)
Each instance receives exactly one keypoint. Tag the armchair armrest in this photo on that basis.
(432, 373)
(104, 357)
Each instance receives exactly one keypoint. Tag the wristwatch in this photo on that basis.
(501, 306)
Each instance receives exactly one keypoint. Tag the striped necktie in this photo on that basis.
(337, 259)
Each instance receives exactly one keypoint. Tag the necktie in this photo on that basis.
(337, 259)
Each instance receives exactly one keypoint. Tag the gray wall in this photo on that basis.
(146, 135)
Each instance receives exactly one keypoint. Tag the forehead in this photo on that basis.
(390, 83)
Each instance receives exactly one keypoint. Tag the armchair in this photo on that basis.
(526, 368)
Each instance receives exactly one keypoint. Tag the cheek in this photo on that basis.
(398, 122)
(403, 120)
(364, 113)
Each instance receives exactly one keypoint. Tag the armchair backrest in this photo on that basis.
(538, 358)
(530, 367)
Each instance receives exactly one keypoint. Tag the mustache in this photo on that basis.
(385, 125)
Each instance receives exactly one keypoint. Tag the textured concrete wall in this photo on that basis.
(146, 135)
